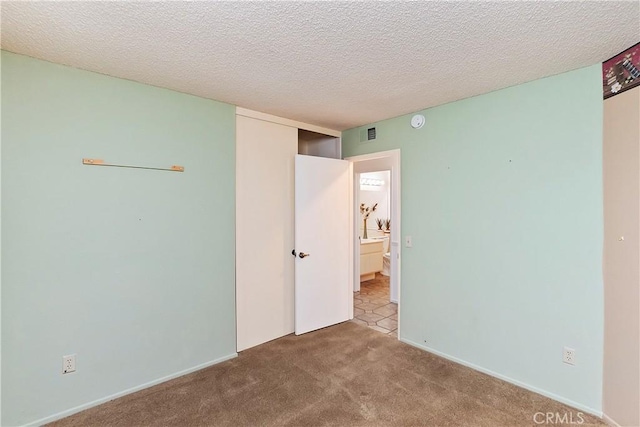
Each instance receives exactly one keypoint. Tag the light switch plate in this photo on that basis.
(408, 242)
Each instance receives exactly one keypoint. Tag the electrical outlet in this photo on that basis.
(569, 356)
(68, 364)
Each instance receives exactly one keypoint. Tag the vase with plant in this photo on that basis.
(380, 223)
(365, 211)
(387, 225)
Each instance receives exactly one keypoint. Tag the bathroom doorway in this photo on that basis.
(376, 279)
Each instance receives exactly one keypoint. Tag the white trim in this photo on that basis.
(396, 206)
(287, 122)
(377, 155)
(351, 242)
(610, 421)
(545, 393)
(355, 227)
(97, 402)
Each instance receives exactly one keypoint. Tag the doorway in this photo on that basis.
(376, 296)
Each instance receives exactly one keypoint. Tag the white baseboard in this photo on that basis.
(97, 402)
(609, 421)
(545, 393)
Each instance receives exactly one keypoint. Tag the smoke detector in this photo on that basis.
(417, 121)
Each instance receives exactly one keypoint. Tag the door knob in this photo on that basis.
(302, 255)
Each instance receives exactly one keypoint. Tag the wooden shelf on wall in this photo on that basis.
(100, 162)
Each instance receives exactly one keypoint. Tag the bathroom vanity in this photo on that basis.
(371, 251)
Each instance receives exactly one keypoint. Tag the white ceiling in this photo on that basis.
(332, 64)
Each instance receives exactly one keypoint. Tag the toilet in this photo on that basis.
(386, 259)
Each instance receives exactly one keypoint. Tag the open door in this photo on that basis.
(323, 294)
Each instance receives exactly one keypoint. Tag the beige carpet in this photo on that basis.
(346, 375)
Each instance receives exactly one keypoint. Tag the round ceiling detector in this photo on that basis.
(417, 121)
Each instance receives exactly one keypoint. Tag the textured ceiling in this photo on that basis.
(333, 64)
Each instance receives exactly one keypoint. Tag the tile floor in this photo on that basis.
(371, 306)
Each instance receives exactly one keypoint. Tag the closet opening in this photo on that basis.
(318, 144)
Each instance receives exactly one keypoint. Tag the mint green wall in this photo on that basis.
(132, 270)
(502, 194)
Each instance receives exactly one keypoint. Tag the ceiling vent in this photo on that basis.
(368, 134)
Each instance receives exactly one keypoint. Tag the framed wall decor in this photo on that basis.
(621, 72)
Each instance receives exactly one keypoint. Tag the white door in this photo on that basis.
(264, 230)
(323, 267)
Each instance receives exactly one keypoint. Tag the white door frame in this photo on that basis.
(391, 157)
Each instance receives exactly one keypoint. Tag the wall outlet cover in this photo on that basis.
(68, 364)
(569, 356)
